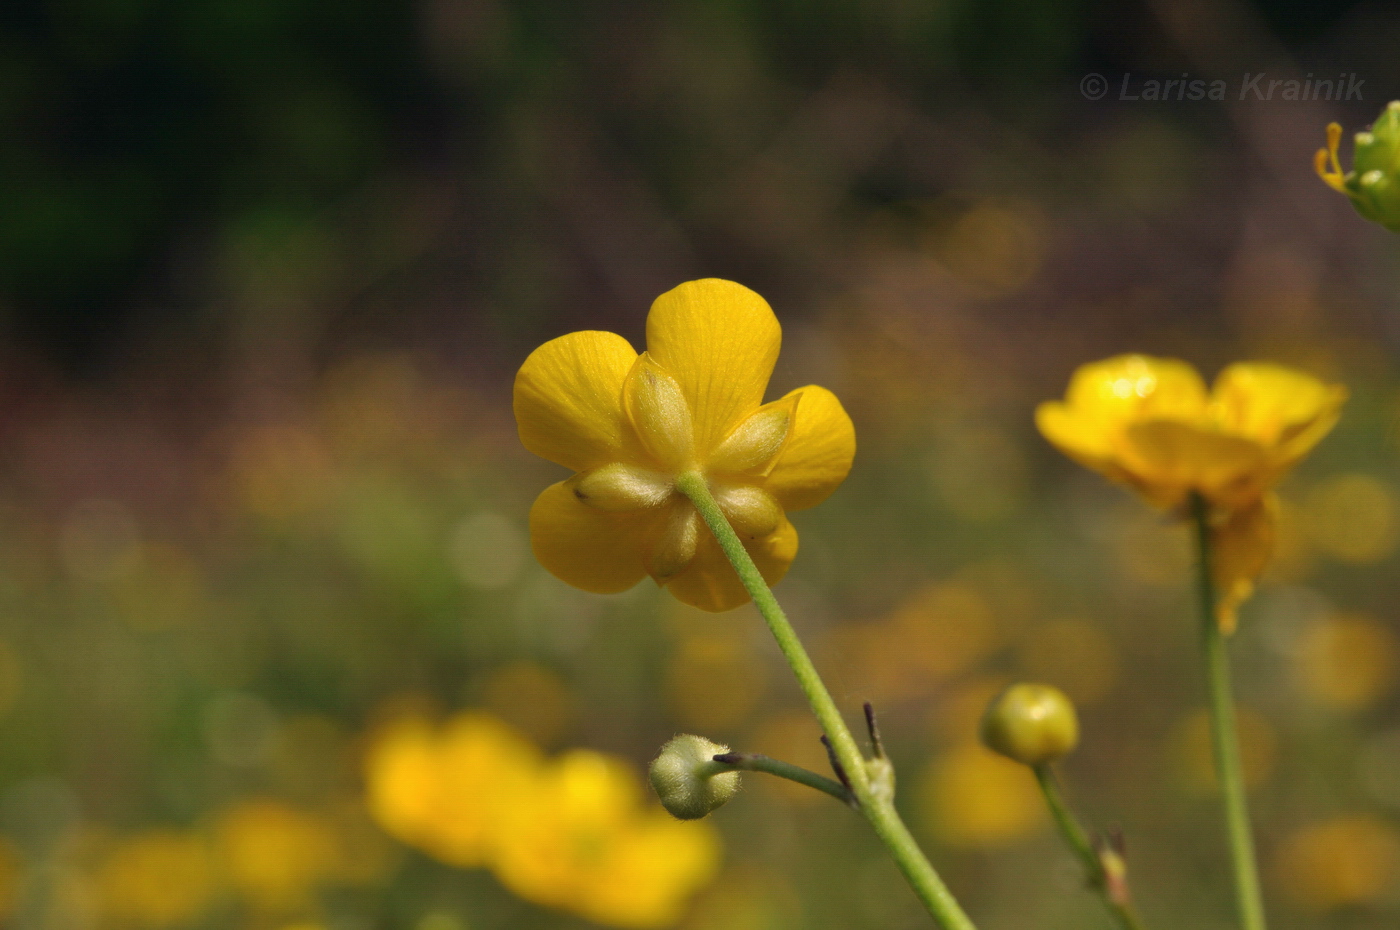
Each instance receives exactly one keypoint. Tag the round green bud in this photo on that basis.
(1030, 723)
(688, 781)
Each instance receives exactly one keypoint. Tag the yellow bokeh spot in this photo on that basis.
(276, 856)
(713, 682)
(995, 249)
(1193, 753)
(1346, 663)
(943, 629)
(976, 798)
(532, 698)
(1346, 861)
(160, 878)
(1352, 518)
(1075, 656)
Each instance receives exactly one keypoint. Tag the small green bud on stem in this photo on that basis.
(688, 781)
(1032, 724)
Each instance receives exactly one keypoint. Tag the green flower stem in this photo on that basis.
(1223, 734)
(872, 783)
(754, 762)
(1114, 898)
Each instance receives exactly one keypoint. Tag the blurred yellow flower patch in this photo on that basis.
(585, 843)
(160, 878)
(1151, 424)
(975, 798)
(628, 425)
(276, 856)
(1347, 861)
(573, 833)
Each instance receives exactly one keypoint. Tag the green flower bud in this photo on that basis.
(688, 781)
(1032, 724)
(1373, 183)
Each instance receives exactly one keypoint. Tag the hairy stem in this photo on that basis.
(874, 795)
(754, 762)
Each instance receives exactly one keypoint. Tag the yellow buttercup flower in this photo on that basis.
(629, 424)
(1151, 424)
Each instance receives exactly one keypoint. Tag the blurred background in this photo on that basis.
(267, 270)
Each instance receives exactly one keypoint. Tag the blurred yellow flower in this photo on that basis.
(1346, 663)
(629, 424)
(571, 833)
(1350, 860)
(275, 855)
(974, 797)
(445, 790)
(1151, 424)
(584, 843)
(159, 878)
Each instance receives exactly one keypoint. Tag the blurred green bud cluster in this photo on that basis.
(1032, 724)
(688, 781)
(1373, 183)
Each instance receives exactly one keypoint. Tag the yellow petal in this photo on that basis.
(710, 582)
(592, 549)
(1104, 398)
(1276, 406)
(568, 400)
(1170, 454)
(818, 454)
(1240, 550)
(1085, 439)
(719, 340)
(1130, 387)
